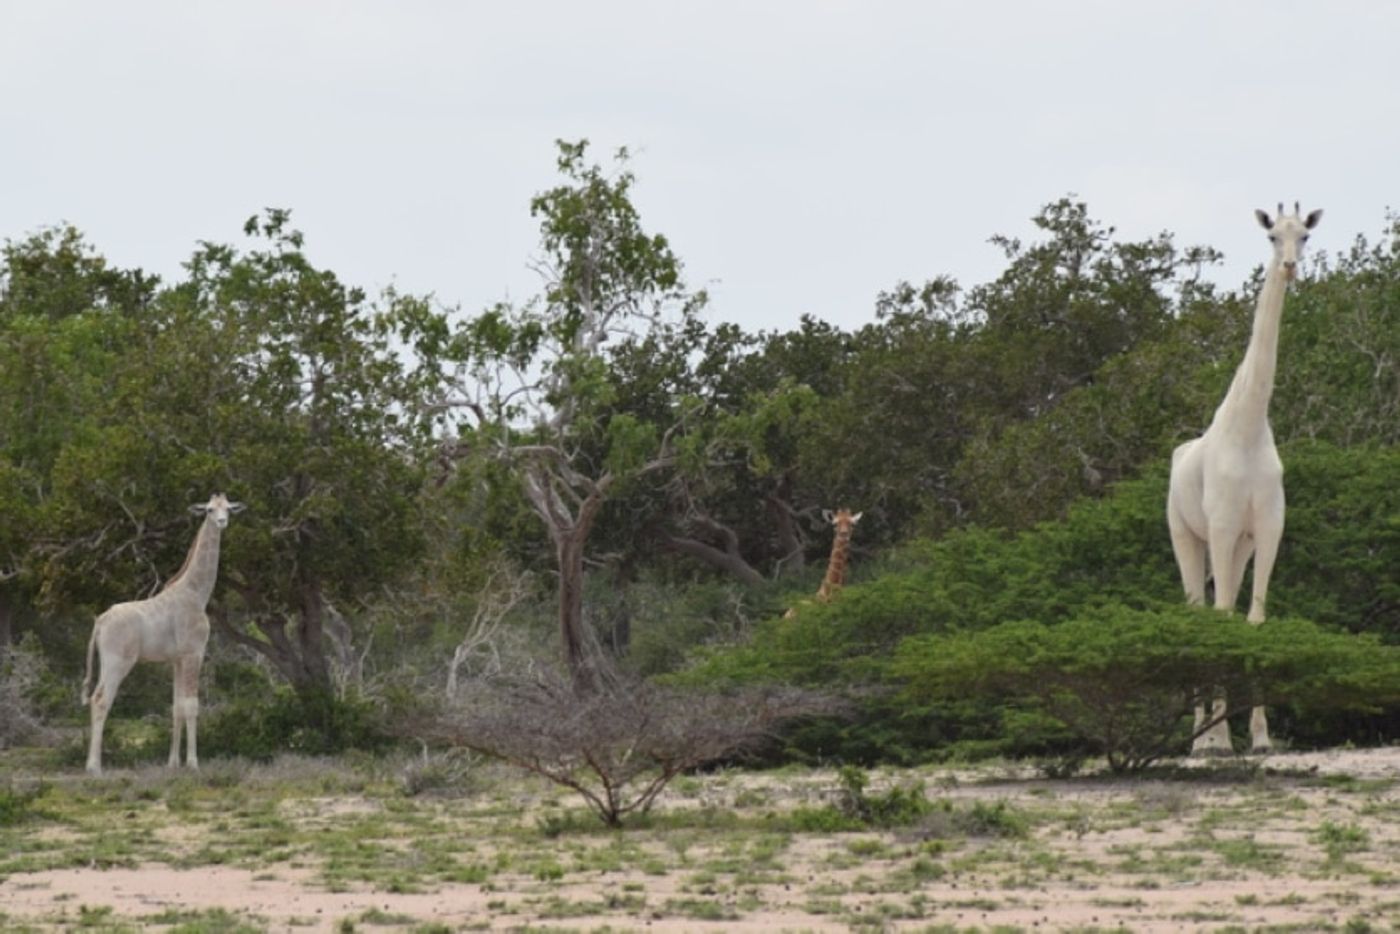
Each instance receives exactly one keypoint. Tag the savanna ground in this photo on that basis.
(1291, 842)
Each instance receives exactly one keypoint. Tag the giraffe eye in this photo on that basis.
(1304, 239)
(1273, 238)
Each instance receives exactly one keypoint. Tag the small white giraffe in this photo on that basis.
(168, 627)
(1226, 496)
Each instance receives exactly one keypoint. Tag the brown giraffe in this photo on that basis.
(845, 522)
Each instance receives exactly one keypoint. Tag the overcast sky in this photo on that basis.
(800, 156)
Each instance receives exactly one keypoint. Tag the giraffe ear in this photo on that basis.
(1264, 220)
(856, 518)
(237, 507)
(826, 515)
(1313, 218)
(199, 509)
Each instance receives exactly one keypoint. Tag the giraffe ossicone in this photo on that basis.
(168, 627)
(1225, 502)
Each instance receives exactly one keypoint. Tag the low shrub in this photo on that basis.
(896, 807)
(17, 804)
(261, 725)
(616, 740)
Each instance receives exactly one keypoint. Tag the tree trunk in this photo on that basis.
(302, 662)
(569, 531)
(569, 554)
(311, 640)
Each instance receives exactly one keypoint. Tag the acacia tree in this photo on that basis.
(534, 380)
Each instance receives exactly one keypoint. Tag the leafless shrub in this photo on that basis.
(347, 661)
(504, 589)
(21, 671)
(619, 740)
(439, 774)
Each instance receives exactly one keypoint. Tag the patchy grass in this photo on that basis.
(435, 844)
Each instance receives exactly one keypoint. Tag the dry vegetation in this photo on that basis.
(1298, 842)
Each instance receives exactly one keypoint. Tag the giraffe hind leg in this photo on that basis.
(114, 671)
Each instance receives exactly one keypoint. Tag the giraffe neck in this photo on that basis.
(201, 567)
(836, 569)
(1245, 409)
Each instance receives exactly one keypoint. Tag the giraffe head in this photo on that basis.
(1288, 233)
(217, 510)
(843, 519)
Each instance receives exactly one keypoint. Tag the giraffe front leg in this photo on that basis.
(1266, 542)
(1223, 547)
(188, 708)
(191, 712)
(176, 717)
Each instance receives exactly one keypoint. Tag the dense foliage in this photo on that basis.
(432, 490)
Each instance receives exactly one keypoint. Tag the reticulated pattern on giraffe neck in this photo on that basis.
(836, 568)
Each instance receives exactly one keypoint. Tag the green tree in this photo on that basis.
(65, 319)
(534, 379)
(293, 388)
(259, 374)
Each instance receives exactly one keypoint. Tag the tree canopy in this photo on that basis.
(633, 459)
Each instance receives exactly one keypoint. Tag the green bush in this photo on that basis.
(897, 807)
(17, 805)
(1336, 567)
(1124, 682)
(263, 724)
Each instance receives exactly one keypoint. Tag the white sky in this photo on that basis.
(801, 156)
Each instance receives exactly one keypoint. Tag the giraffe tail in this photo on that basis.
(87, 675)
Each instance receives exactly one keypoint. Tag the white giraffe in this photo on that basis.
(1226, 497)
(169, 627)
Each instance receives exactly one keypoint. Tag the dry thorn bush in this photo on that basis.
(21, 671)
(615, 739)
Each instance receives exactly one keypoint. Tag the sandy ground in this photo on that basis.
(1136, 855)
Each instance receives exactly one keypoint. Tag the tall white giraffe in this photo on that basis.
(1226, 497)
(168, 627)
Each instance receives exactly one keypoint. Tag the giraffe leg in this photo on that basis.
(1266, 542)
(177, 720)
(1190, 552)
(1243, 549)
(114, 671)
(188, 705)
(1223, 547)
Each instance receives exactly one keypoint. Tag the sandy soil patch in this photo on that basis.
(1309, 840)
